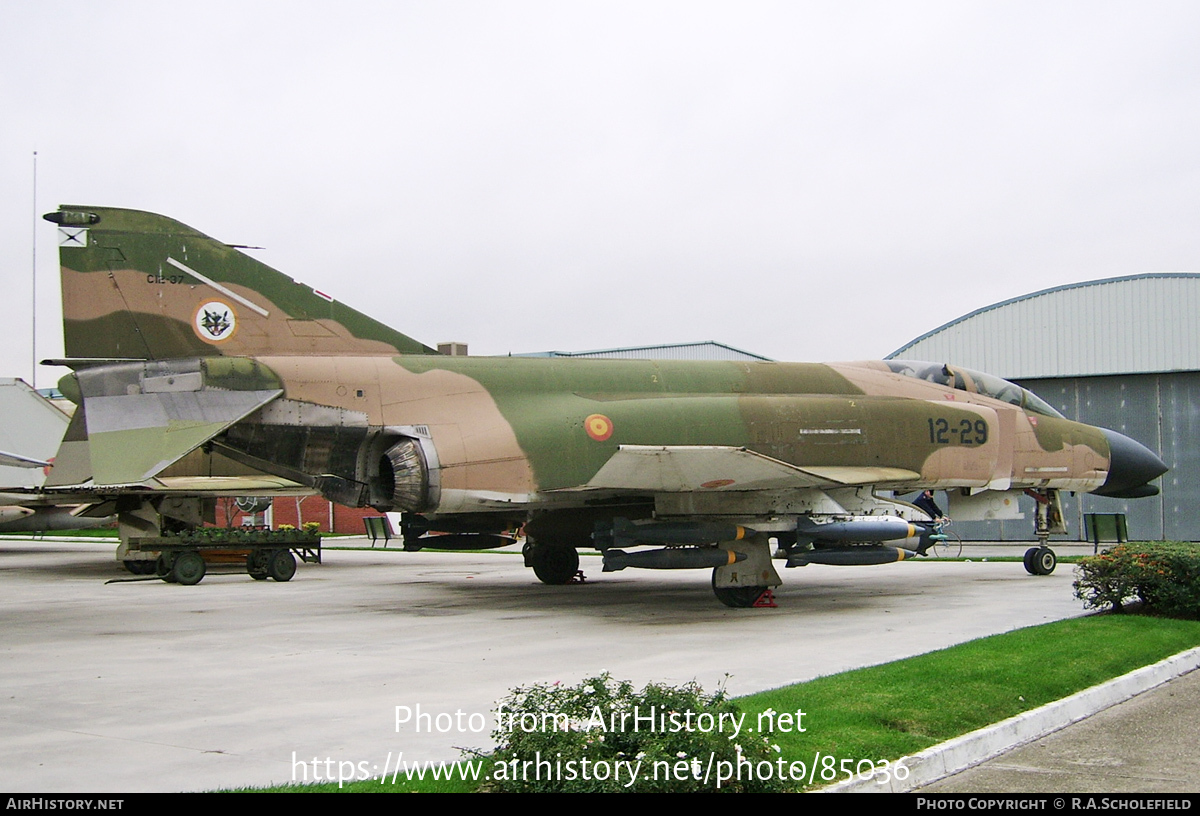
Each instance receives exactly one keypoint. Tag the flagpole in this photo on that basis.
(33, 330)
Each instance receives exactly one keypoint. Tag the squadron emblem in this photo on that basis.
(214, 322)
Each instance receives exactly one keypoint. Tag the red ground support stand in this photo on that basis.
(765, 601)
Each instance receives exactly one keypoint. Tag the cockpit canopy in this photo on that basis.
(974, 382)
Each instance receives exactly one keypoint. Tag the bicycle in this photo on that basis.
(946, 542)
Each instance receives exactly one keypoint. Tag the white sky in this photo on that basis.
(808, 181)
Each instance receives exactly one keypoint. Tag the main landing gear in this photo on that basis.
(743, 597)
(552, 564)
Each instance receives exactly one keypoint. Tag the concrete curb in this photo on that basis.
(962, 752)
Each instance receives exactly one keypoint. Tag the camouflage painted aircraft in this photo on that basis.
(199, 372)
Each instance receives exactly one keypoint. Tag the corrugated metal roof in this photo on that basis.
(707, 350)
(1132, 324)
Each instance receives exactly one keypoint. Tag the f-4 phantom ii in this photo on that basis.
(200, 371)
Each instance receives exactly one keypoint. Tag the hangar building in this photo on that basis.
(1122, 353)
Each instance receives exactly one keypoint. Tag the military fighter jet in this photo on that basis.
(200, 371)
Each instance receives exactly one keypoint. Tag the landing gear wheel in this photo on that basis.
(258, 564)
(164, 567)
(554, 564)
(283, 565)
(737, 597)
(1040, 560)
(189, 568)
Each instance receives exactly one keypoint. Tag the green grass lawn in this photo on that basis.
(897, 709)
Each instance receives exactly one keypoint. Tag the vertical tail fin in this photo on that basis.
(142, 286)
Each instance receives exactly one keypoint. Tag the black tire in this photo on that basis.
(737, 597)
(1030, 554)
(257, 564)
(140, 567)
(283, 565)
(554, 564)
(1044, 561)
(189, 568)
(163, 567)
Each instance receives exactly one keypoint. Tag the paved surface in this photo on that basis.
(1147, 744)
(150, 687)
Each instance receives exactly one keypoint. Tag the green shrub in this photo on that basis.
(604, 736)
(1163, 576)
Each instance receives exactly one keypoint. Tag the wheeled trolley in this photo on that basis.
(266, 554)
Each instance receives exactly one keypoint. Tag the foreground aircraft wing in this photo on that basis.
(681, 468)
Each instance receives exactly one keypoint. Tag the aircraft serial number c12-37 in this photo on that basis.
(200, 372)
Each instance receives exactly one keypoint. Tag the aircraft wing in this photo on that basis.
(679, 468)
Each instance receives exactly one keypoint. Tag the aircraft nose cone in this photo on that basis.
(1131, 466)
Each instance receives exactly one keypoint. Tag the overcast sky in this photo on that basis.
(808, 181)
